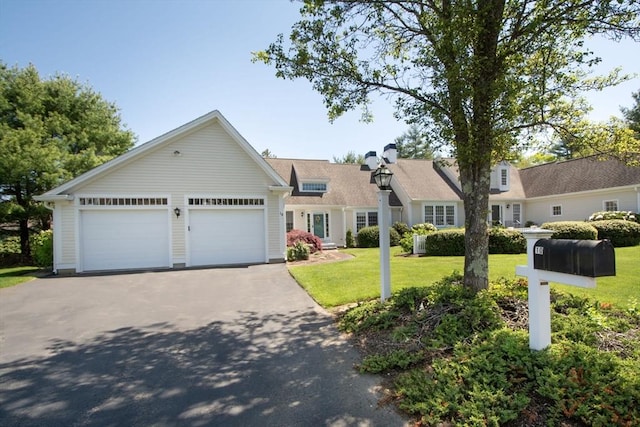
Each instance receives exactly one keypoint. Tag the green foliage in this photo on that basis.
(406, 242)
(401, 227)
(415, 144)
(299, 251)
(350, 158)
(349, 241)
(505, 241)
(632, 115)
(455, 359)
(446, 242)
(606, 215)
(621, 233)
(578, 230)
(42, 248)
(369, 237)
(10, 245)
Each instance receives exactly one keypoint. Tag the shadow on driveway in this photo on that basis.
(279, 369)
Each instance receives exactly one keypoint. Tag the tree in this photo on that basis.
(267, 154)
(50, 131)
(414, 144)
(479, 74)
(350, 158)
(632, 115)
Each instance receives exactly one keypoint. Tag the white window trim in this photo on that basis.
(616, 201)
(455, 213)
(501, 186)
(561, 211)
(366, 213)
(314, 181)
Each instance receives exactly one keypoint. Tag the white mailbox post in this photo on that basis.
(538, 290)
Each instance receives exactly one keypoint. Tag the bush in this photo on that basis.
(420, 229)
(401, 228)
(42, 248)
(607, 215)
(620, 232)
(505, 241)
(299, 251)
(446, 243)
(349, 241)
(578, 230)
(295, 236)
(369, 237)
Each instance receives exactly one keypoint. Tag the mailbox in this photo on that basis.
(591, 258)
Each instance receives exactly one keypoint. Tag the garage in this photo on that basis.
(226, 236)
(117, 239)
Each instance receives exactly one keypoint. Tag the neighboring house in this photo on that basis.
(199, 195)
(574, 189)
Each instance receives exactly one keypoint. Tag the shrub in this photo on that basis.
(420, 229)
(607, 215)
(401, 228)
(369, 237)
(314, 242)
(620, 232)
(505, 241)
(446, 243)
(42, 248)
(299, 251)
(578, 230)
(349, 241)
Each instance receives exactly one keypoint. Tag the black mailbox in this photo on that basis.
(591, 258)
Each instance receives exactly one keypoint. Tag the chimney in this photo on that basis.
(371, 160)
(390, 153)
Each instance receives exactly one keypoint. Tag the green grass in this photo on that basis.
(358, 279)
(16, 275)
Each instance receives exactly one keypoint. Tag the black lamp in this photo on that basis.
(382, 176)
(177, 212)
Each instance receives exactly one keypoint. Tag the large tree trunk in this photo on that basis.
(475, 188)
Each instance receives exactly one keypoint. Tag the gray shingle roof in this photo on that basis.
(348, 184)
(421, 181)
(577, 175)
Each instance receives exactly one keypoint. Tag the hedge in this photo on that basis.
(446, 243)
(606, 215)
(420, 229)
(505, 241)
(369, 237)
(575, 230)
(620, 232)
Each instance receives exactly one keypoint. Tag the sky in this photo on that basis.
(167, 62)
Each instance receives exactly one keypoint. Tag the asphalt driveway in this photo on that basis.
(237, 346)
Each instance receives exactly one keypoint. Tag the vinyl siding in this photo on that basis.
(210, 163)
(67, 229)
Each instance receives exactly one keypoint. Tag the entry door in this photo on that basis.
(318, 225)
(496, 211)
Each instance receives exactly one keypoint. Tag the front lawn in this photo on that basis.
(16, 275)
(358, 279)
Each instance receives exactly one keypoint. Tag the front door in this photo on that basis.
(495, 214)
(318, 225)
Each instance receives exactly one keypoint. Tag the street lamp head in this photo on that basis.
(382, 176)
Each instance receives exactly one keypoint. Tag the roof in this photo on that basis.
(167, 138)
(348, 184)
(577, 175)
(422, 181)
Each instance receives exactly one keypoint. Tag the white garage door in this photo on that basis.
(124, 239)
(226, 236)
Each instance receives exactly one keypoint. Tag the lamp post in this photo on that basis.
(382, 176)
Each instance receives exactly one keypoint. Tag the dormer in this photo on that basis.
(500, 177)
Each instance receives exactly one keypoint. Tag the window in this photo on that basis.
(503, 177)
(556, 210)
(440, 215)
(610, 205)
(366, 219)
(289, 220)
(208, 201)
(314, 187)
(123, 201)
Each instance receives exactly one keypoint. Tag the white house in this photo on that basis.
(199, 195)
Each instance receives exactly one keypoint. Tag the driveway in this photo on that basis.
(228, 347)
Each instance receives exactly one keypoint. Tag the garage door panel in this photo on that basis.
(126, 239)
(220, 236)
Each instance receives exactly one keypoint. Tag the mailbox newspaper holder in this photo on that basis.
(590, 258)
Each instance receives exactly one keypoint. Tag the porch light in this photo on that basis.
(382, 176)
(177, 212)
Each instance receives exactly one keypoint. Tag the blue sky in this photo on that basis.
(166, 62)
